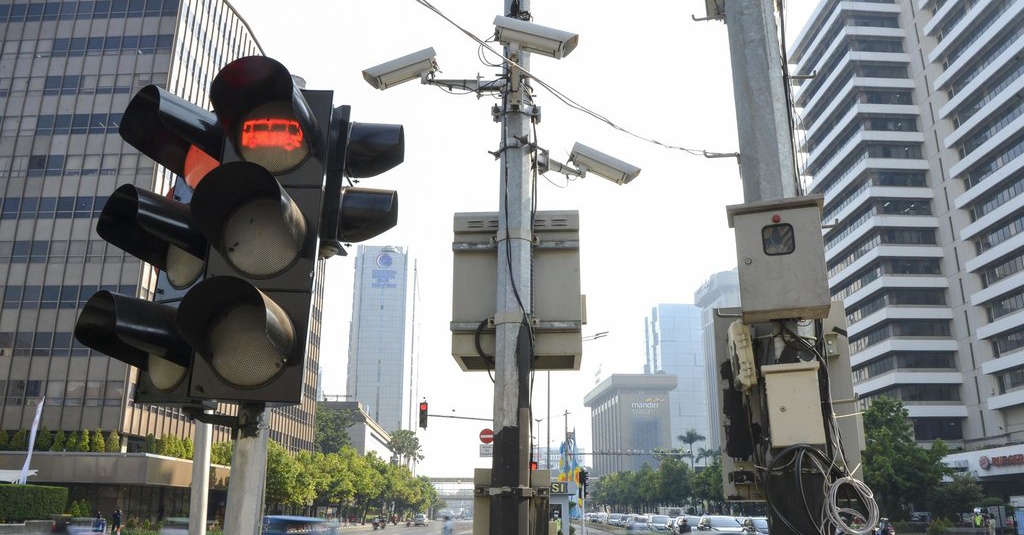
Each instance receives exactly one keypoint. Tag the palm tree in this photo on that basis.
(406, 446)
(704, 453)
(689, 438)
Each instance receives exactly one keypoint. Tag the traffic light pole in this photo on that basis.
(510, 469)
(243, 514)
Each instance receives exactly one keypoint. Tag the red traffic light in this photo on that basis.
(533, 465)
(423, 407)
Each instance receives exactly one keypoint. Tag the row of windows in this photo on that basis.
(938, 428)
(70, 84)
(979, 25)
(897, 297)
(987, 93)
(992, 127)
(981, 61)
(914, 393)
(984, 242)
(997, 272)
(1005, 305)
(901, 151)
(1008, 342)
(878, 207)
(888, 236)
(51, 207)
(86, 9)
(84, 165)
(41, 344)
(899, 328)
(1011, 380)
(1004, 155)
(905, 361)
(874, 177)
(997, 198)
(78, 123)
(26, 251)
(68, 393)
(889, 266)
(34, 296)
(851, 19)
(91, 46)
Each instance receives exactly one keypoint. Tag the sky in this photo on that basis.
(660, 77)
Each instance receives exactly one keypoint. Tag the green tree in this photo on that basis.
(71, 444)
(44, 439)
(150, 445)
(113, 442)
(220, 453)
(84, 441)
(4, 440)
(690, 438)
(707, 485)
(19, 442)
(960, 494)
(59, 441)
(674, 481)
(895, 468)
(406, 445)
(188, 448)
(282, 477)
(332, 430)
(99, 444)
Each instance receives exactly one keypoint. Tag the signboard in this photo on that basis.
(560, 487)
(486, 436)
(487, 450)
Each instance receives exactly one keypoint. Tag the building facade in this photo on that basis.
(380, 371)
(630, 419)
(721, 290)
(672, 334)
(68, 70)
(914, 133)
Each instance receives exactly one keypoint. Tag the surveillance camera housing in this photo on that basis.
(401, 70)
(534, 37)
(599, 163)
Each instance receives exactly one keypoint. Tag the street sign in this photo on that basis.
(486, 436)
(487, 450)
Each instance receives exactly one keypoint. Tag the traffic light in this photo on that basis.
(185, 139)
(582, 480)
(359, 150)
(423, 414)
(249, 320)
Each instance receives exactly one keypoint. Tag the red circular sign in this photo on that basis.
(486, 436)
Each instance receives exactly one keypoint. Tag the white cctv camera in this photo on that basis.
(401, 70)
(599, 163)
(534, 37)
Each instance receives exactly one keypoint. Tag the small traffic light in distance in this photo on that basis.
(249, 320)
(534, 465)
(423, 414)
(358, 150)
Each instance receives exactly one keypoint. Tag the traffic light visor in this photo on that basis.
(252, 221)
(245, 336)
(366, 213)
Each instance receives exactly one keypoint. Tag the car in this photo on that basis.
(920, 516)
(661, 522)
(613, 519)
(419, 519)
(691, 521)
(720, 524)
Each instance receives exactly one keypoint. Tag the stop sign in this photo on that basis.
(486, 436)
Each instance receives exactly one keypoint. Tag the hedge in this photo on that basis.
(19, 503)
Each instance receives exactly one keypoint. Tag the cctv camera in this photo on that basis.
(599, 163)
(401, 70)
(534, 37)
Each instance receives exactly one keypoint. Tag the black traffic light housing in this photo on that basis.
(249, 320)
(423, 414)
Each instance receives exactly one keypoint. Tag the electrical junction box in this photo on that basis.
(794, 404)
(558, 307)
(781, 259)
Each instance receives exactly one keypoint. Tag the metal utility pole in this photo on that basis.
(510, 468)
(198, 504)
(243, 513)
(762, 111)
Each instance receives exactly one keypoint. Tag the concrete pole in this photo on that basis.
(766, 145)
(510, 468)
(200, 479)
(243, 514)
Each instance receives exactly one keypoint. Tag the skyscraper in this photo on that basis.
(913, 132)
(379, 370)
(673, 340)
(67, 71)
(721, 290)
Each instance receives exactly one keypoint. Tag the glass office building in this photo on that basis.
(380, 371)
(672, 335)
(721, 290)
(914, 132)
(67, 72)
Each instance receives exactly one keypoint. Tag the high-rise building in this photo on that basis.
(629, 415)
(67, 71)
(380, 372)
(721, 290)
(672, 335)
(914, 133)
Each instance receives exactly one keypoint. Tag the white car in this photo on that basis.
(419, 519)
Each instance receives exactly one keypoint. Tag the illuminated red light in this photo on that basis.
(423, 406)
(776, 218)
(270, 132)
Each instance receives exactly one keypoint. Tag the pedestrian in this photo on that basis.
(99, 524)
(116, 528)
(446, 529)
(685, 527)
